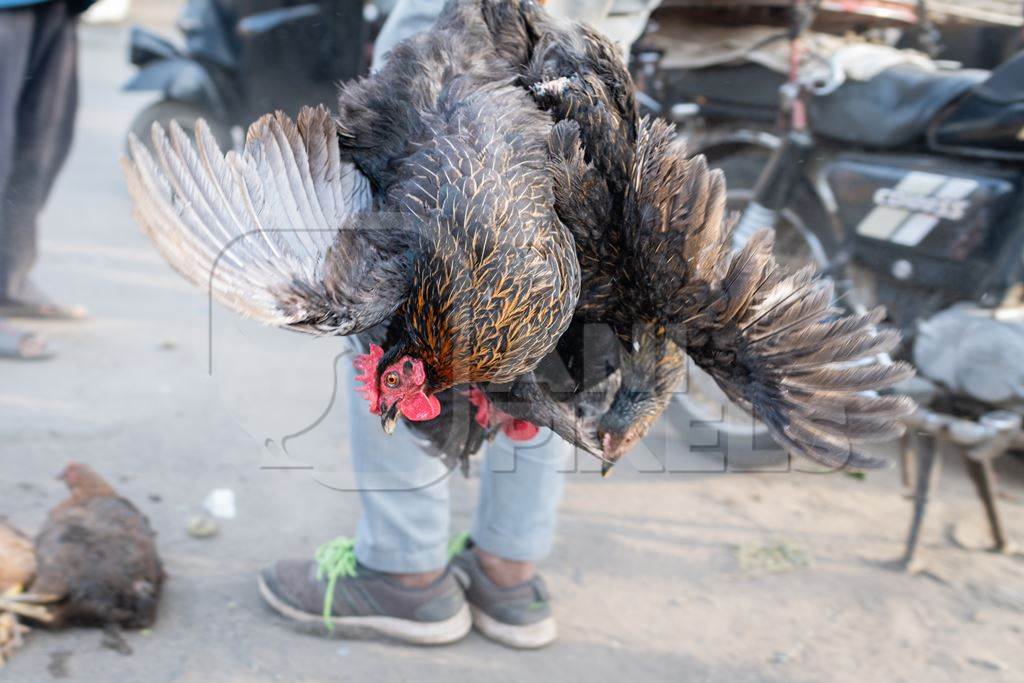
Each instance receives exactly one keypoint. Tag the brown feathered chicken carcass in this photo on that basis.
(97, 558)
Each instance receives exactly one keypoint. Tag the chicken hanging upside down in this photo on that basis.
(656, 265)
(476, 209)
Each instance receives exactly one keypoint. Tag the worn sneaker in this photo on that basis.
(335, 595)
(518, 616)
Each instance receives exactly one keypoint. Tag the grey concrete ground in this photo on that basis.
(654, 575)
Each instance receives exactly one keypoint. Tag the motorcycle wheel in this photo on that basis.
(186, 114)
(802, 237)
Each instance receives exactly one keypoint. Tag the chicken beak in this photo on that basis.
(389, 418)
(607, 445)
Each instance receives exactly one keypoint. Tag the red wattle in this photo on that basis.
(419, 407)
(520, 430)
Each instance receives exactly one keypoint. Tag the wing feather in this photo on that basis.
(275, 232)
(775, 342)
(787, 356)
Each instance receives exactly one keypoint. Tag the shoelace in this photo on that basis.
(334, 559)
(457, 543)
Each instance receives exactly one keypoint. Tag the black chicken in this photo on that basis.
(427, 207)
(96, 557)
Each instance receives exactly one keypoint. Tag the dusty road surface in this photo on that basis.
(656, 575)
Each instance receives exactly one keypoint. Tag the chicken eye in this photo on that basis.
(391, 379)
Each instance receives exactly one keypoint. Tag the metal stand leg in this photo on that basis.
(928, 458)
(984, 479)
(908, 458)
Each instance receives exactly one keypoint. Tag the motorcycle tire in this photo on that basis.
(186, 114)
(804, 234)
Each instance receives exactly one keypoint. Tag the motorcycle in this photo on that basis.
(901, 177)
(244, 58)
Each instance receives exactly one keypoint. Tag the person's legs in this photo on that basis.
(404, 525)
(16, 30)
(514, 528)
(393, 579)
(520, 489)
(39, 95)
(395, 572)
(17, 33)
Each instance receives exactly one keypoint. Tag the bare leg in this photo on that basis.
(504, 572)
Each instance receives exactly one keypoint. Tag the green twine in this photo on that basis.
(457, 544)
(334, 559)
(337, 558)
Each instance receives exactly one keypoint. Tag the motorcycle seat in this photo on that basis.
(891, 110)
(988, 122)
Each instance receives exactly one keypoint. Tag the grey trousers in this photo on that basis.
(38, 98)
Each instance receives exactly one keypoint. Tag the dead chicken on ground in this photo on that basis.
(97, 559)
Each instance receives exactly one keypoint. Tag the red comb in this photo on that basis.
(367, 365)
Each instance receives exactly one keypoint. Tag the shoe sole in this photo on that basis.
(526, 637)
(416, 632)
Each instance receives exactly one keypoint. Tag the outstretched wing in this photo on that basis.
(777, 347)
(774, 342)
(280, 232)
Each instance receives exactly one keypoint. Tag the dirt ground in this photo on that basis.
(657, 575)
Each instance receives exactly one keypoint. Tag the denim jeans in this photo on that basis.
(404, 525)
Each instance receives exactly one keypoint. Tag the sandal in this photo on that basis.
(40, 311)
(32, 304)
(18, 345)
